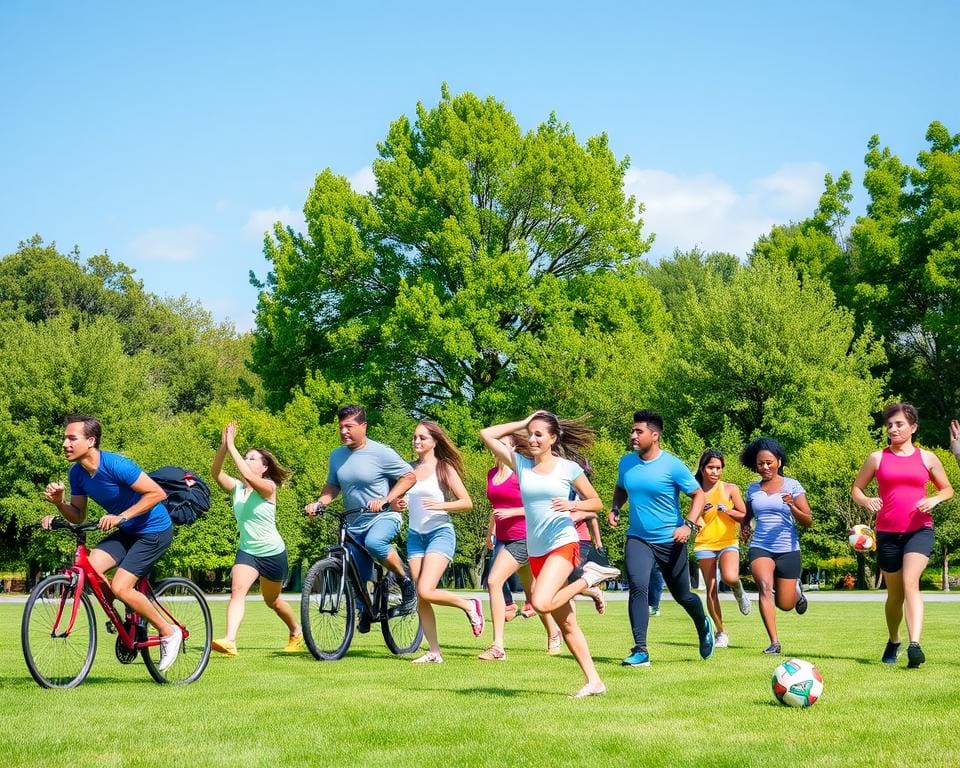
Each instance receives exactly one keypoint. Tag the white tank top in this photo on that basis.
(424, 520)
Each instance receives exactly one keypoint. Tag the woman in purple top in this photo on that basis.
(776, 503)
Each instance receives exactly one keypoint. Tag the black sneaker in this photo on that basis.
(801, 606)
(772, 649)
(408, 591)
(111, 630)
(363, 622)
(890, 653)
(915, 656)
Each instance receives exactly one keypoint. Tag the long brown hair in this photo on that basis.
(448, 457)
(275, 470)
(574, 437)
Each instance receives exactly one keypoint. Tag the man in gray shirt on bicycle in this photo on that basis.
(370, 475)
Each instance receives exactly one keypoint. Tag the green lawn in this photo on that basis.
(267, 709)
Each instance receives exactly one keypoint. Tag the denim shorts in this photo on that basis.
(441, 541)
(707, 554)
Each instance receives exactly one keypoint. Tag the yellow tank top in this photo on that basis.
(719, 529)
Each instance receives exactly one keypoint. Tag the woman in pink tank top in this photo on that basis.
(509, 525)
(904, 525)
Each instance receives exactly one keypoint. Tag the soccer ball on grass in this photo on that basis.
(797, 683)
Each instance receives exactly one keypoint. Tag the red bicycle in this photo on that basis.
(59, 631)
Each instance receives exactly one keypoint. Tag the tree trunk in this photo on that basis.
(861, 572)
(946, 570)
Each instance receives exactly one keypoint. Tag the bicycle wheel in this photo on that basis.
(181, 600)
(326, 610)
(56, 658)
(401, 630)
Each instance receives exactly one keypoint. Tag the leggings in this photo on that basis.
(671, 557)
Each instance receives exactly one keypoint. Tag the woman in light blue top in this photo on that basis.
(431, 540)
(546, 479)
(776, 503)
(261, 552)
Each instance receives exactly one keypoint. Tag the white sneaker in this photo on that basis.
(593, 573)
(742, 600)
(170, 648)
(721, 640)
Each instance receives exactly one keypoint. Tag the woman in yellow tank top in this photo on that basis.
(718, 539)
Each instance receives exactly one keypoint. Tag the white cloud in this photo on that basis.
(363, 181)
(709, 212)
(171, 245)
(262, 220)
(231, 310)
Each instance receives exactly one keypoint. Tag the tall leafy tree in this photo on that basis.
(476, 235)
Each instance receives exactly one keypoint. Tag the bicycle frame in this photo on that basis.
(82, 574)
(342, 552)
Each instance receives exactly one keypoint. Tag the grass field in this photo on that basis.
(265, 708)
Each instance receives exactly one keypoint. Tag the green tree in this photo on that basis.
(436, 282)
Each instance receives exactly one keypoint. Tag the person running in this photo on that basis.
(717, 541)
(140, 524)
(904, 525)
(261, 552)
(652, 479)
(370, 475)
(431, 539)
(545, 481)
(777, 503)
(510, 530)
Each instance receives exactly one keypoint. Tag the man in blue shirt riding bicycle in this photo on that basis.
(370, 475)
(141, 527)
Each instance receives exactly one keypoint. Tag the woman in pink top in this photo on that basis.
(510, 530)
(904, 524)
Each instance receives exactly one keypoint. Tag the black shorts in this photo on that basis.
(891, 547)
(786, 565)
(270, 567)
(517, 549)
(136, 552)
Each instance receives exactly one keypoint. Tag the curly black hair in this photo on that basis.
(748, 456)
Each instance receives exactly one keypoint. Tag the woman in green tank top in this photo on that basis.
(261, 552)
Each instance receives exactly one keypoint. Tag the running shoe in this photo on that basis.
(493, 653)
(475, 614)
(772, 649)
(590, 689)
(654, 611)
(555, 643)
(408, 591)
(801, 605)
(721, 640)
(429, 658)
(294, 644)
(706, 639)
(638, 658)
(890, 653)
(224, 646)
(170, 649)
(915, 656)
(594, 573)
(363, 622)
(743, 600)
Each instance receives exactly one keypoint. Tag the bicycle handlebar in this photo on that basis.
(58, 523)
(322, 509)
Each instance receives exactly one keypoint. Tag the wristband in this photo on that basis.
(692, 525)
(615, 511)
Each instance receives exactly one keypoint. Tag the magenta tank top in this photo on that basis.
(902, 481)
(506, 495)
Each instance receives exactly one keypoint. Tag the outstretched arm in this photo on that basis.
(216, 469)
(262, 485)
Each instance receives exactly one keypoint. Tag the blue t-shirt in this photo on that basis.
(110, 487)
(547, 529)
(653, 488)
(774, 528)
(364, 474)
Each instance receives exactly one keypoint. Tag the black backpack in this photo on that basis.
(188, 497)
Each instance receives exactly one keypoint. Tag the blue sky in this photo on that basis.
(173, 135)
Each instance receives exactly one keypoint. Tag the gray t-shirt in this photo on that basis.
(365, 474)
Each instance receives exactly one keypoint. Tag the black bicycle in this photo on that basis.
(332, 591)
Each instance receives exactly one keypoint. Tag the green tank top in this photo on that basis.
(256, 523)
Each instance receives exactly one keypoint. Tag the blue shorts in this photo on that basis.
(136, 552)
(270, 567)
(708, 554)
(440, 541)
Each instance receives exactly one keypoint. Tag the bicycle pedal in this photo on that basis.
(111, 629)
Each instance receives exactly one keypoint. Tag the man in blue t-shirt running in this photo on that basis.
(652, 479)
(141, 527)
(370, 475)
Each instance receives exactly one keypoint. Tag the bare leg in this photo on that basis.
(241, 579)
(762, 569)
(428, 619)
(529, 584)
(708, 567)
(270, 591)
(504, 566)
(913, 566)
(124, 586)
